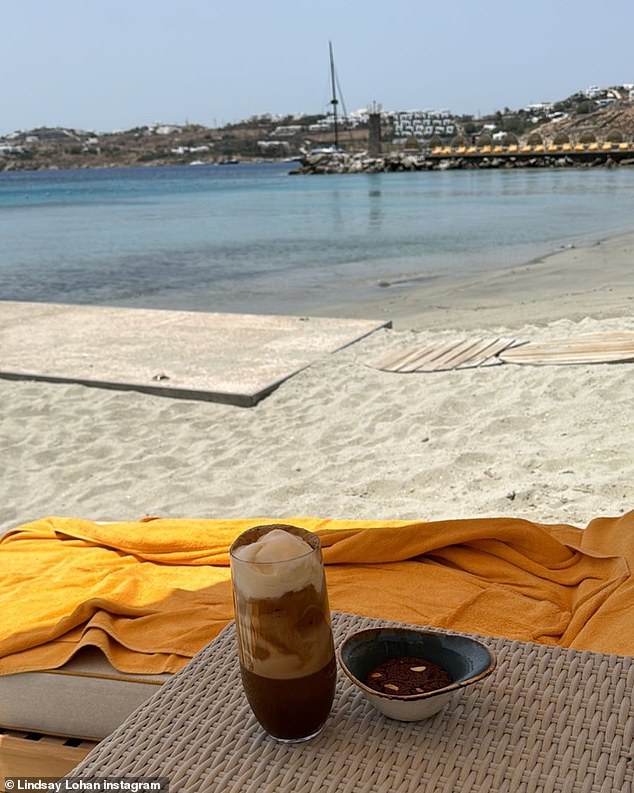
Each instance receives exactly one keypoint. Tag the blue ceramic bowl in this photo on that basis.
(466, 660)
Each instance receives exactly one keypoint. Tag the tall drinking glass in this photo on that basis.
(285, 644)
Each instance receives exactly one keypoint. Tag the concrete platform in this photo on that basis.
(231, 358)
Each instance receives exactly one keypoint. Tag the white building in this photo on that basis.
(422, 123)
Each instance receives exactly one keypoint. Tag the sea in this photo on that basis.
(253, 238)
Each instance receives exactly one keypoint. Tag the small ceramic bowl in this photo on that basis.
(467, 661)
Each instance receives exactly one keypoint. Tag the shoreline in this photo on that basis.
(594, 279)
(344, 439)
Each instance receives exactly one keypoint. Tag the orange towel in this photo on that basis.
(152, 593)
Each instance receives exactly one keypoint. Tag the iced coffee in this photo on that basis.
(285, 644)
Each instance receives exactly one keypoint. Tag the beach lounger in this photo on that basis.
(167, 595)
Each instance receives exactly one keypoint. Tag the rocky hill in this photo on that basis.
(615, 120)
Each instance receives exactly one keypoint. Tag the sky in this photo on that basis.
(104, 66)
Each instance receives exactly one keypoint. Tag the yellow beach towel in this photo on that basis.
(152, 593)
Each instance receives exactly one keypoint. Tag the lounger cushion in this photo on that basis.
(85, 698)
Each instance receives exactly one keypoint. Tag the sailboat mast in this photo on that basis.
(334, 101)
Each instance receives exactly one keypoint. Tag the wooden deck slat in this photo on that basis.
(488, 355)
(452, 357)
(427, 357)
(608, 347)
(592, 348)
(403, 360)
(447, 355)
(30, 755)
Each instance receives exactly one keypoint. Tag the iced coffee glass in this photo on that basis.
(285, 645)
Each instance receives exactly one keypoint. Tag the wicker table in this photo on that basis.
(547, 719)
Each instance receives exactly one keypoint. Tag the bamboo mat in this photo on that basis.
(548, 719)
(606, 347)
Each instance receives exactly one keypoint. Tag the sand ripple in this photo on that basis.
(340, 439)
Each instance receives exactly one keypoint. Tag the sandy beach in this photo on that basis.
(344, 439)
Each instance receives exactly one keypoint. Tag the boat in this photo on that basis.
(335, 93)
(334, 101)
(325, 150)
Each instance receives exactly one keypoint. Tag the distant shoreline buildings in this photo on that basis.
(268, 135)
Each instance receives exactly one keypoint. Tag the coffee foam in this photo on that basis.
(258, 576)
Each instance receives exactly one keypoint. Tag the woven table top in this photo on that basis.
(547, 719)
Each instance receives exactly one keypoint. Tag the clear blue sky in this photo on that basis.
(118, 64)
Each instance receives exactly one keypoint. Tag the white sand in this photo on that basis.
(342, 439)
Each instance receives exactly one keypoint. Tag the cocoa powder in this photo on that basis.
(407, 675)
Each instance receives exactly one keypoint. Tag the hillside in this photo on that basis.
(577, 118)
(155, 145)
(615, 119)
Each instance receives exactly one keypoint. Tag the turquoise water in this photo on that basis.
(253, 238)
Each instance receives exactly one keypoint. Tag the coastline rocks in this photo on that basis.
(328, 162)
(335, 161)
